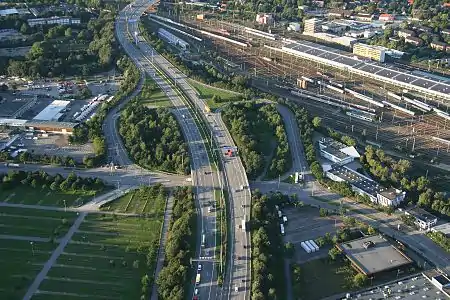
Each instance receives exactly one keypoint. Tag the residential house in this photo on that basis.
(413, 40)
(404, 33)
(386, 17)
(439, 46)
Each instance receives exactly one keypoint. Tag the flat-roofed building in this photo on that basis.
(440, 46)
(337, 152)
(51, 126)
(53, 111)
(423, 219)
(312, 26)
(413, 40)
(386, 17)
(373, 254)
(442, 228)
(376, 53)
(365, 186)
(406, 33)
(53, 21)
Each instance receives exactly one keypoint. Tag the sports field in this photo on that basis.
(107, 257)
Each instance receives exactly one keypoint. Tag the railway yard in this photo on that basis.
(382, 113)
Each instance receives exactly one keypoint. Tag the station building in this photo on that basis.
(337, 152)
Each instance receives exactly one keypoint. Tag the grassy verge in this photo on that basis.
(152, 96)
(214, 97)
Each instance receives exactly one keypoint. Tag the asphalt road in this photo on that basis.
(203, 177)
(235, 181)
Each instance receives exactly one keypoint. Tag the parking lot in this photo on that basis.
(57, 144)
(306, 224)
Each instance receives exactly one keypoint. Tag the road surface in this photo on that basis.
(203, 177)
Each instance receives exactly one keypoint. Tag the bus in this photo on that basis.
(197, 279)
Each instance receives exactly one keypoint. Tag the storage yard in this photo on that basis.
(413, 122)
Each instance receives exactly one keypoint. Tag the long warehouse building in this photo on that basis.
(382, 72)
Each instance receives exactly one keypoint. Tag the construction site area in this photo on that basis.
(404, 111)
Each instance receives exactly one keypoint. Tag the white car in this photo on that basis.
(196, 292)
(199, 268)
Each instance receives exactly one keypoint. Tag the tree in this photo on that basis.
(289, 249)
(68, 32)
(54, 186)
(371, 230)
(316, 121)
(333, 253)
(323, 212)
(359, 280)
(136, 264)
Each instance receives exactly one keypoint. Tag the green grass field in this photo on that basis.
(336, 275)
(21, 261)
(151, 95)
(36, 196)
(207, 92)
(109, 254)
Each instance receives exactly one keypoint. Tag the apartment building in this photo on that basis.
(312, 26)
(413, 40)
(54, 21)
(406, 33)
(439, 46)
(373, 52)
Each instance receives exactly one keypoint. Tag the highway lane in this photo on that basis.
(234, 178)
(385, 223)
(203, 177)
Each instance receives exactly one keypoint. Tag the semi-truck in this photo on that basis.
(197, 279)
(313, 249)
(203, 240)
(314, 245)
(280, 214)
(305, 247)
(282, 229)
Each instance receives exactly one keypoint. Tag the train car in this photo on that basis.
(359, 116)
(407, 111)
(418, 104)
(334, 88)
(307, 79)
(337, 84)
(364, 98)
(223, 38)
(395, 96)
(441, 113)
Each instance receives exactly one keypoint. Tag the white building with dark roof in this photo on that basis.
(365, 186)
(337, 152)
(422, 218)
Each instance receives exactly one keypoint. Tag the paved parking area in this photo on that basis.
(57, 144)
(306, 224)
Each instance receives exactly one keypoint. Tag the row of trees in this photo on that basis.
(268, 279)
(153, 138)
(41, 179)
(180, 247)
(254, 128)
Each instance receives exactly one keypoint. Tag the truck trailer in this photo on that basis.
(305, 247)
(313, 249)
(314, 245)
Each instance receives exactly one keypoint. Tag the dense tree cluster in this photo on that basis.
(397, 173)
(251, 125)
(153, 138)
(92, 129)
(268, 278)
(62, 51)
(27, 157)
(180, 247)
(440, 239)
(42, 180)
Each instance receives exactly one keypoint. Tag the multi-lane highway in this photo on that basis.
(237, 281)
(203, 177)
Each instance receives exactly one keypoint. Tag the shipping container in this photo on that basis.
(313, 249)
(314, 245)
(305, 247)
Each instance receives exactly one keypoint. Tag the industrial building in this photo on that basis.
(374, 70)
(337, 152)
(365, 186)
(172, 39)
(376, 53)
(51, 126)
(373, 254)
(53, 112)
(423, 219)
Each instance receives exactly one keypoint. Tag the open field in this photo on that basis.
(21, 260)
(336, 275)
(207, 92)
(140, 201)
(109, 255)
(152, 95)
(27, 195)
